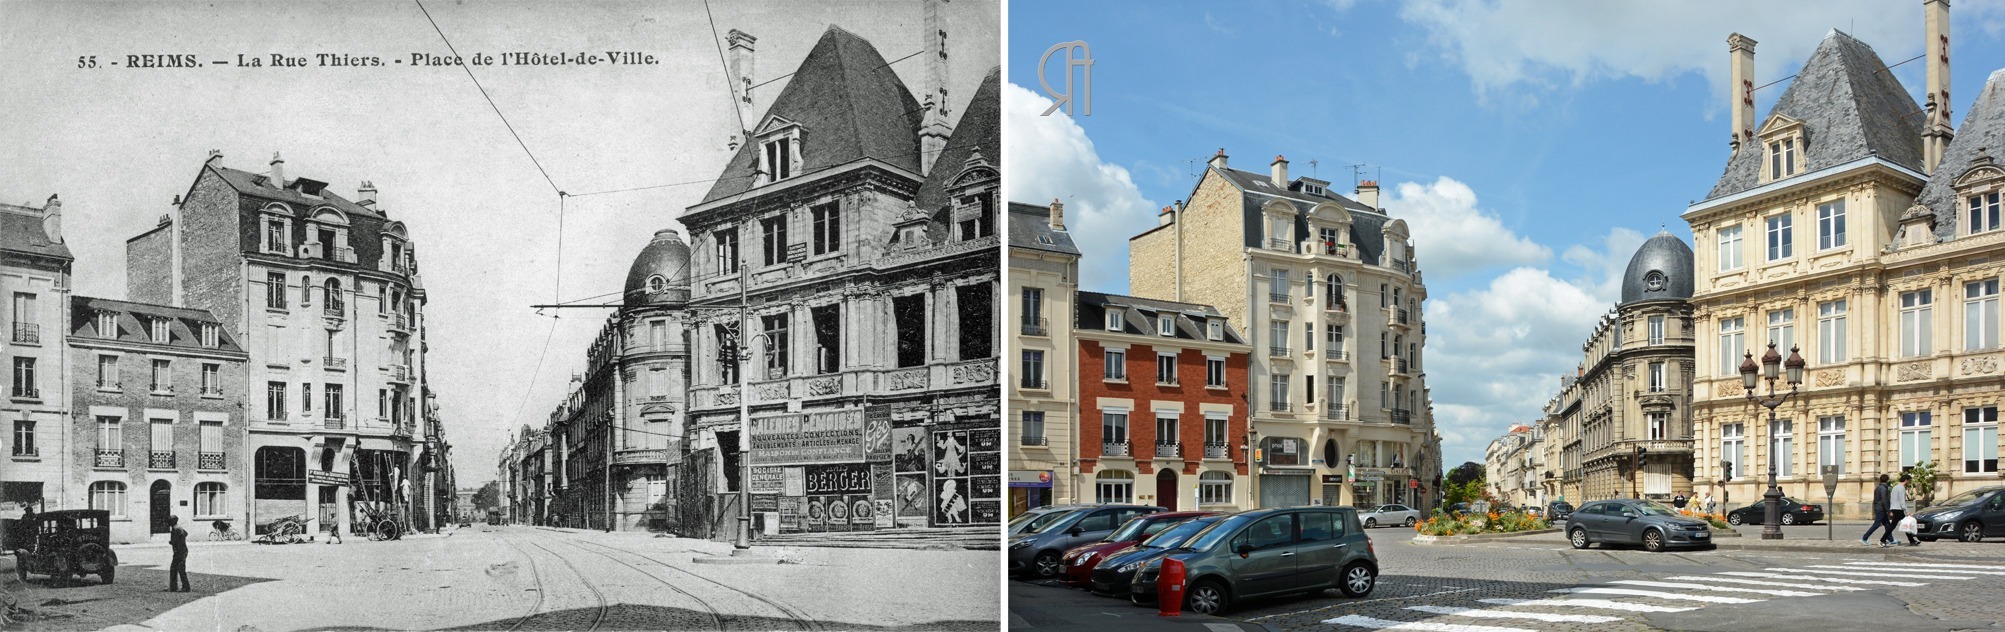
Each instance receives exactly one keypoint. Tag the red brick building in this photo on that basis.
(1162, 404)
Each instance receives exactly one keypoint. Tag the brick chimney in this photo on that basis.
(52, 220)
(1367, 194)
(1741, 72)
(934, 132)
(366, 196)
(1057, 214)
(1219, 160)
(740, 44)
(1280, 172)
(1938, 128)
(278, 171)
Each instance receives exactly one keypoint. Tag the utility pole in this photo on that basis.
(744, 539)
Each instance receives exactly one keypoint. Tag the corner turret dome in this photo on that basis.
(1660, 270)
(660, 275)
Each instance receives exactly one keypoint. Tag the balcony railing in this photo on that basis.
(1402, 315)
(1340, 308)
(28, 333)
(1401, 265)
(1033, 381)
(1402, 416)
(1033, 327)
(1336, 354)
(1335, 411)
(1277, 297)
(1280, 407)
(1168, 449)
(110, 458)
(1280, 244)
(335, 364)
(1278, 351)
(1037, 440)
(1400, 366)
(1216, 450)
(160, 459)
(209, 460)
(400, 373)
(1114, 449)
(334, 423)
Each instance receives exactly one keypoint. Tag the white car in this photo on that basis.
(1387, 515)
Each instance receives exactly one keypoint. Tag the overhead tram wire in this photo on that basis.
(490, 99)
(736, 107)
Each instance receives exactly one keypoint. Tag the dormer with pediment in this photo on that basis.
(327, 230)
(1329, 229)
(973, 196)
(1277, 216)
(780, 149)
(396, 252)
(275, 229)
(1979, 190)
(1783, 141)
(909, 232)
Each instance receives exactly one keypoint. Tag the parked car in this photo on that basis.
(1793, 512)
(1558, 510)
(1116, 573)
(1268, 552)
(1651, 524)
(1970, 516)
(1390, 515)
(1038, 549)
(1037, 519)
(65, 545)
(1080, 560)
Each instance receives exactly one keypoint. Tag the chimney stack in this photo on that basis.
(1166, 216)
(1219, 160)
(1937, 128)
(741, 43)
(1280, 169)
(1741, 73)
(366, 196)
(215, 158)
(52, 220)
(1367, 194)
(1057, 214)
(933, 134)
(278, 171)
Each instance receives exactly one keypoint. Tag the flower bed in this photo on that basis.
(1471, 524)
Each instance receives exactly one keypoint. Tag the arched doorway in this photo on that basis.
(161, 505)
(1166, 488)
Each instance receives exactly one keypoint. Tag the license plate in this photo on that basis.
(1702, 535)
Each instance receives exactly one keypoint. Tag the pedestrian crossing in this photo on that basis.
(1674, 593)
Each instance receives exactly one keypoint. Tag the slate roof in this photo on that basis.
(666, 255)
(21, 231)
(1367, 224)
(1029, 222)
(1850, 107)
(1981, 137)
(1665, 254)
(979, 132)
(851, 106)
(1138, 316)
(262, 186)
(184, 331)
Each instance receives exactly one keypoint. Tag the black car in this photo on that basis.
(1114, 574)
(1793, 512)
(1558, 511)
(1969, 516)
(65, 545)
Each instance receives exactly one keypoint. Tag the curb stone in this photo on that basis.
(1452, 539)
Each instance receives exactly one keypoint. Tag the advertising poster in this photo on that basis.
(765, 503)
(911, 497)
(951, 508)
(877, 433)
(765, 480)
(793, 482)
(988, 511)
(985, 440)
(817, 514)
(908, 447)
(883, 515)
(792, 510)
(791, 439)
(838, 512)
(861, 511)
(985, 487)
(844, 478)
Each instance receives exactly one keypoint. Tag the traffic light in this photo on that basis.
(1727, 466)
(1642, 457)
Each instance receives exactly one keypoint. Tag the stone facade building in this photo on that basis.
(1044, 279)
(35, 283)
(1868, 237)
(1318, 280)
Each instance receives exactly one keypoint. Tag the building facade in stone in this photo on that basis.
(1635, 382)
(1044, 282)
(1159, 386)
(844, 296)
(1867, 236)
(1319, 281)
(35, 283)
(324, 295)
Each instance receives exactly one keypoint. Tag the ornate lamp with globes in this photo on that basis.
(1770, 370)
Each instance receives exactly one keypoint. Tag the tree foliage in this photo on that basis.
(1921, 483)
(1466, 472)
(489, 497)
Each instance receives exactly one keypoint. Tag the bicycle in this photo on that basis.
(221, 532)
(286, 530)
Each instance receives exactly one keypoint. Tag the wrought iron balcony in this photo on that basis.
(1217, 450)
(1402, 315)
(1028, 440)
(1401, 367)
(1402, 416)
(1401, 265)
(209, 461)
(1341, 308)
(1336, 411)
(1033, 327)
(1278, 351)
(1280, 407)
(110, 458)
(160, 459)
(1033, 381)
(1280, 244)
(1168, 449)
(1336, 354)
(28, 333)
(1277, 297)
(1114, 449)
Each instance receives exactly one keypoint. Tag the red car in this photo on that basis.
(1078, 563)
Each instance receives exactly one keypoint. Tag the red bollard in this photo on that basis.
(1170, 588)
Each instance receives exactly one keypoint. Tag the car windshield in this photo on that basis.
(1654, 509)
(1562, 506)
(1964, 498)
(1131, 530)
(1037, 523)
(1172, 537)
(1217, 532)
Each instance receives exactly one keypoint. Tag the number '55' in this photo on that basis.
(87, 61)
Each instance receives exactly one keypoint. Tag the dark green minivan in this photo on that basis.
(1268, 552)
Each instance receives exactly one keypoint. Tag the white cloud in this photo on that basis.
(1050, 157)
(1452, 236)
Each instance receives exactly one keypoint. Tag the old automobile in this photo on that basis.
(65, 545)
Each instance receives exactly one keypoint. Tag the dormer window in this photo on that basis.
(1983, 213)
(778, 162)
(1166, 325)
(212, 336)
(779, 150)
(276, 236)
(656, 284)
(107, 324)
(727, 250)
(1783, 141)
(1215, 330)
(975, 217)
(1781, 159)
(1113, 318)
(159, 332)
(1312, 189)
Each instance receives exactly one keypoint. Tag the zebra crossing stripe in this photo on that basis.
(1657, 594)
(1935, 568)
(1886, 573)
(1509, 614)
(1605, 604)
(1756, 582)
(1839, 580)
(1361, 621)
(1898, 570)
(1758, 591)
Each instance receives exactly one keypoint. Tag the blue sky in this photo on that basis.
(1532, 146)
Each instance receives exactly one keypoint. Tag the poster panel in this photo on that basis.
(908, 447)
(952, 502)
(877, 433)
(766, 479)
(792, 512)
(793, 482)
(842, 478)
(798, 438)
(911, 500)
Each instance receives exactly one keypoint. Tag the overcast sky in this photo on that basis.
(118, 144)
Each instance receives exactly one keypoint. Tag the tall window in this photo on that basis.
(1915, 435)
(1781, 446)
(107, 324)
(976, 303)
(827, 228)
(24, 438)
(1278, 285)
(1166, 368)
(1277, 391)
(1214, 372)
(1113, 487)
(1214, 488)
(163, 377)
(1116, 364)
(1915, 323)
(1215, 429)
(1781, 158)
(1730, 248)
(727, 363)
(1656, 332)
(777, 345)
(1166, 325)
(1782, 329)
(1114, 427)
(275, 400)
(1033, 427)
(334, 395)
(24, 378)
(1280, 229)
(828, 338)
(1033, 369)
(1731, 438)
(727, 250)
(337, 303)
(107, 372)
(1831, 332)
(779, 159)
(978, 218)
(160, 330)
(1166, 428)
(909, 315)
(1308, 336)
(1333, 292)
(773, 230)
(1656, 377)
(1983, 213)
(109, 436)
(306, 398)
(275, 290)
(1980, 440)
(1831, 224)
(1658, 425)
(1333, 335)
(210, 439)
(209, 499)
(1980, 314)
(1733, 341)
(109, 496)
(1831, 442)
(212, 336)
(1277, 334)
(275, 237)
(1033, 311)
(1780, 237)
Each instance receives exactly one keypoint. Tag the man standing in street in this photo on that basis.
(1678, 501)
(177, 538)
(1880, 500)
(1897, 508)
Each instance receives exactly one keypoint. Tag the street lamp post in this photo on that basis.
(1771, 362)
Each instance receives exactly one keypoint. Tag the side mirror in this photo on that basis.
(1244, 550)
(1630, 514)
(1075, 531)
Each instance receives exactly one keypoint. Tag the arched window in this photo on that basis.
(305, 290)
(1214, 488)
(210, 499)
(337, 304)
(1114, 486)
(109, 496)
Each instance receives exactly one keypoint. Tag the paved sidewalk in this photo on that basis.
(1035, 606)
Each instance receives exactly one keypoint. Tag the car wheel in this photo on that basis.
(1410, 521)
(1207, 597)
(92, 557)
(108, 574)
(1047, 565)
(1788, 518)
(1734, 519)
(1578, 537)
(1653, 540)
(1371, 523)
(1972, 531)
(1359, 579)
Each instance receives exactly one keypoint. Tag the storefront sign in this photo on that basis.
(320, 477)
(1331, 479)
(1030, 478)
(800, 438)
(846, 478)
(766, 480)
(765, 503)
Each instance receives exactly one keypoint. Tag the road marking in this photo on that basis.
(1655, 593)
(1754, 582)
(1386, 624)
(1508, 614)
(1952, 568)
(1812, 569)
(1222, 627)
(1758, 591)
(1357, 603)
(1881, 582)
(1907, 569)
(1605, 604)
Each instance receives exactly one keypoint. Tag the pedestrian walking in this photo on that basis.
(1881, 497)
(1897, 506)
(1709, 502)
(177, 571)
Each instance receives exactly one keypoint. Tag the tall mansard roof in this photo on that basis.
(1981, 135)
(660, 274)
(1850, 107)
(1660, 270)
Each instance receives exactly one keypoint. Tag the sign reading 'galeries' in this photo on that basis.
(801, 438)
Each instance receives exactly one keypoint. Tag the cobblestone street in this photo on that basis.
(525, 578)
